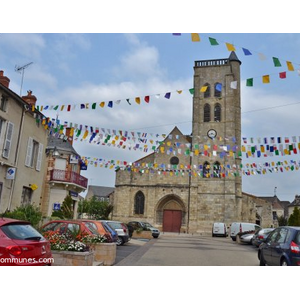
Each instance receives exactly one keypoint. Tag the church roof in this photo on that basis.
(233, 57)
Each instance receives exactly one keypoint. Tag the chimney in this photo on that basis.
(30, 99)
(4, 80)
(69, 134)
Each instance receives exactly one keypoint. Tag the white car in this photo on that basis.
(145, 225)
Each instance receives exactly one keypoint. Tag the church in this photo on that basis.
(194, 200)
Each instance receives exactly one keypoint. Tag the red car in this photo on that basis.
(22, 245)
(68, 226)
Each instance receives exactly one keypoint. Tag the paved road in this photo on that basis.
(188, 250)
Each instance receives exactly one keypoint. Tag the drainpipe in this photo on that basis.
(16, 157)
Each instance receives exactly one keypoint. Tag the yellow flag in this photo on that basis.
(290, 66)
(230, 47)
(85, 134)
(138, 100)
(162, 149)
(179, 91)
(196, 152)
(195, 37)
(266, 79)
(62, 107)
(32, 107)
(102, 104)
(203, 89)
(72, 131)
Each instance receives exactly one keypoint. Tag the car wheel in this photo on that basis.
(261, 259)
(120, 241)
(284, 262)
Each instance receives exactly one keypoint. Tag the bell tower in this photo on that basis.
(216, 194)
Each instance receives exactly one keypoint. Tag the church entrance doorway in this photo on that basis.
(171, 214)
(172, 220)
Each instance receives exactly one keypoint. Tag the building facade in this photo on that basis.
(23, 140)
(208, 189)
(62, 175)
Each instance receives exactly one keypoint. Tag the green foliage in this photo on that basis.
(294, 219)
(28, 213)
(95, 209)
(282, 221)
(66, 210)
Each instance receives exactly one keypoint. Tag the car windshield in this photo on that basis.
(147, 225)
(92, 227)
(115, 225)
(19, 231)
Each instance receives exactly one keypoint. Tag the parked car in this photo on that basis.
(219, 229)
(121, 229)
(281, 247)
(102, 229)
(260, 236)
(68, 227)
(145, 226)
(237, 227)
(245, 237)
(22, 245)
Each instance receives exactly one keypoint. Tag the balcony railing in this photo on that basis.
(68, 177)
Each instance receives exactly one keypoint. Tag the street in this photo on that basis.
(186, 250)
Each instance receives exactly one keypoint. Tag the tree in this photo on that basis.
(294, 219)
(95, 209)
(282, 221)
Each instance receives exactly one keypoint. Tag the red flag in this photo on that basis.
(147, 99)
(282, 75)
(69, 107)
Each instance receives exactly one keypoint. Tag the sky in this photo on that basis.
(102, 67)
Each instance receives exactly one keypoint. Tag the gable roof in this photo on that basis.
(100, 191)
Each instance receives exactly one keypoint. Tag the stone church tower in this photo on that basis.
(189, 199)
(216, 123)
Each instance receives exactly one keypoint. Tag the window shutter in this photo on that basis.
(29, 152)
(40, 157)
(8, 139)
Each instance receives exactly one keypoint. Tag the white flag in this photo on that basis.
(233, 84)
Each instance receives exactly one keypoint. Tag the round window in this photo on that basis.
(174, 160)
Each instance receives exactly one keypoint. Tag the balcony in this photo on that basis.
(68, 177)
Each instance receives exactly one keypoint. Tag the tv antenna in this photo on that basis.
(21, 71)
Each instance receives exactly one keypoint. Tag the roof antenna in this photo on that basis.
(21, 70)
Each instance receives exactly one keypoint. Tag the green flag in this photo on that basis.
(276, 62)
(94, 106)
(213, 42)
(192, 91)
(249, 82)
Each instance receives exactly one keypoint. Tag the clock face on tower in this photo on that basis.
(211, 133)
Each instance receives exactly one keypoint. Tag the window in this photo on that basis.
(207, 92)
(26, 196)
(206, 170)
(218, 90)
(139, 203)
(217, 170)
(217, 112)
(1, 187)
(8, 139)
(206, 113)
(34, 154)
(3, 103)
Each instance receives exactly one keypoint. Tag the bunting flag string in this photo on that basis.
(195, 37)
(207, 171)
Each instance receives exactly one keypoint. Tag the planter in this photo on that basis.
(142, 235)
(72, 258)
(105, 252)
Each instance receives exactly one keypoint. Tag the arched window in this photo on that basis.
(217, 112)
(218, 89)
(206, 170)
(139, 203)
(217, 170)
(207, 92)
(206, 113)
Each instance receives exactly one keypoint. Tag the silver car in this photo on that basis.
(121, 229)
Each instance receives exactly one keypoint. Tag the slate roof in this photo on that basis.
(61, 145)
(100, 191)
